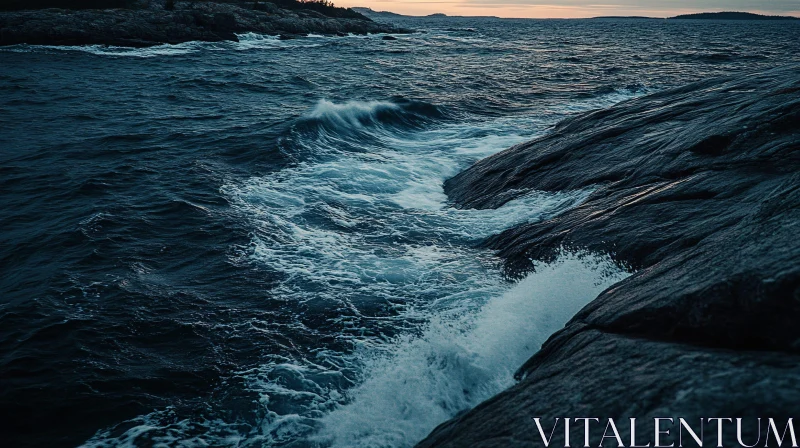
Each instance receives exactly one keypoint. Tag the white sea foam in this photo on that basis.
(406, 386)
(110, 50)
(370, 220)
(356, 216)
(247, 41)
(362, 223)
(460, 359)
(351, 113)
(255, 41)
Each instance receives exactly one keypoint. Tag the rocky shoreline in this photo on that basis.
(697, 190)
(186, 21)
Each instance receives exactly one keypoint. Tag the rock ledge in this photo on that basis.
(188, 21)
(698, 190)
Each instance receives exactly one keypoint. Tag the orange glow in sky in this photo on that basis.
(571, 8)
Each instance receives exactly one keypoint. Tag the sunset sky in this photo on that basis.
(575, 8)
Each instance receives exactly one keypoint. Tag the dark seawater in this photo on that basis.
(247, 244)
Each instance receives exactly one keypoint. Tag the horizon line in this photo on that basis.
(611, 16)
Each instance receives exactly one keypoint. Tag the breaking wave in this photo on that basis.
(420, 322)
(461, 358)
(355, 115)
(401, 388)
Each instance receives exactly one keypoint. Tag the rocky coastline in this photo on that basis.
(697, 189)
(178, 23)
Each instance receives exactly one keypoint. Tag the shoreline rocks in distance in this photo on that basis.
(731, 15)
(707, 16)
(696, 188)
(185, 22)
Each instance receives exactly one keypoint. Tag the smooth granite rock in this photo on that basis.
(698, 190)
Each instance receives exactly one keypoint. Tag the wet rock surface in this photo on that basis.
(698, 190)
(210, 22)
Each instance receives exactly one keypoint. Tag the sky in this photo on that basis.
(575, 8)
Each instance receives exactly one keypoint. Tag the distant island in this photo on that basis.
(142, 23)
(371, 13)
(730, 16)
(726, 15)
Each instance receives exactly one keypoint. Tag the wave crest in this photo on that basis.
(359, 114)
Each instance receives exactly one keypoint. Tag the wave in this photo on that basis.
(247, 41)
(354, 230)
(459, 361)
(255, 41)
(353, 115)
(110, 50)
(250, 40)
(392, 394)
(609, 94)
(411, 320)
(256, 37)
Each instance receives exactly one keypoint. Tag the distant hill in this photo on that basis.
(625, 17)
(372, 14)
(731, 16)
(369, 12)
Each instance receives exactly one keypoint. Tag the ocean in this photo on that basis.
(248, 244)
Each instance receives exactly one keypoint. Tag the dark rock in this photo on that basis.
(603, 375)
(187, 22)
(698, 189)
(389, 38)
